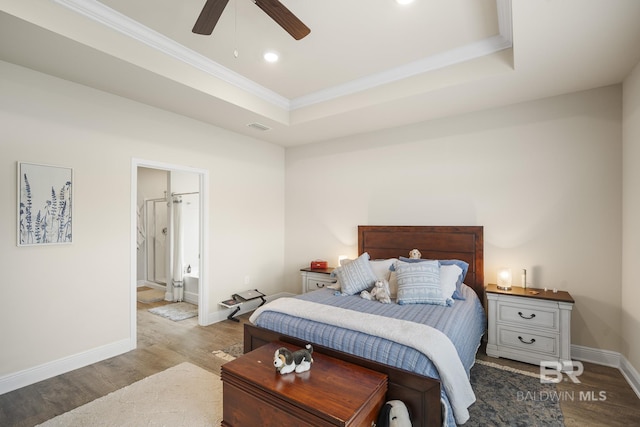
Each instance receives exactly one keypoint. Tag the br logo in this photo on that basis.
(552, 371)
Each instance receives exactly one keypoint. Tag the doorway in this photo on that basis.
(152, 219)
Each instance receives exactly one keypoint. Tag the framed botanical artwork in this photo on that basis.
(45, 204)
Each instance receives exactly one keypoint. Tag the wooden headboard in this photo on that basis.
(434, 242)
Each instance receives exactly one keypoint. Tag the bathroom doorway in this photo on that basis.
(169, 225)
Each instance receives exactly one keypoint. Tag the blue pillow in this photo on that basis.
(356, 276)
(457, 294)
(419, 283)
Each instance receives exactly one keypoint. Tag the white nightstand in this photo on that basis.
(529, 325)
(312, 280)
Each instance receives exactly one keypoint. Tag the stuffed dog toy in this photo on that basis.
(380, 292)
(415, 254)
(287, 361)
(394, 413)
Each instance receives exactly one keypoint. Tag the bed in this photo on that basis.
(412, 377)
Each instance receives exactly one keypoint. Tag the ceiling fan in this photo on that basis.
(213, 9)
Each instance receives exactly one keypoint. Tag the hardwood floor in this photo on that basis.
(163, 343)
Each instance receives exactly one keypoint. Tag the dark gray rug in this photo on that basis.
(512, 398)
(236, 350)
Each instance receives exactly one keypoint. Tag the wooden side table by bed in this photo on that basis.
(529, 325)
(332, 393)
(314, 279)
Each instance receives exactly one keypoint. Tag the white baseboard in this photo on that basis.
(609, 358)
(594, 355)
(47, 370)
(631, 374)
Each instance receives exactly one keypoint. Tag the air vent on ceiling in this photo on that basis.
(259, 126)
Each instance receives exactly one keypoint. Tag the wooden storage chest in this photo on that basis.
(332, 393)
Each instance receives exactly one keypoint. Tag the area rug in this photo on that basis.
(149, 296)
(176, 311)
(511, 397)
(184, 395)
(231, 352)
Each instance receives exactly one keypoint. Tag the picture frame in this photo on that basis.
(44, 204)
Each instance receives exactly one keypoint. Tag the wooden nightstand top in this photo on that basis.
(318, 270)
(560, 296)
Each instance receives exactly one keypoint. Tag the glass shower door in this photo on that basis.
(157, 239)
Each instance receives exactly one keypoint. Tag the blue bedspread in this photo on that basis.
(464, 323)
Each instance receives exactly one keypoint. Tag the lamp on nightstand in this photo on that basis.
(504, 279)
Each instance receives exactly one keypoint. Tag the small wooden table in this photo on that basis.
(332, 393)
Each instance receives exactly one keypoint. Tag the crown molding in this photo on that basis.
(115, 20)
(421, 66)
(106, 16)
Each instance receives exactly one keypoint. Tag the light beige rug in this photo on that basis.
(177, 311)
(184, 395)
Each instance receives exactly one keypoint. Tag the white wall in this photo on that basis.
(543, 178)
(631, 222)
(66, 301)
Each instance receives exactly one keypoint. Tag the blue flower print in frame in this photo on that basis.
(45, 201)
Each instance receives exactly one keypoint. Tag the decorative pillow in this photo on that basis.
(463, 266)
(356, 276)
(381, 267)
(419, 283)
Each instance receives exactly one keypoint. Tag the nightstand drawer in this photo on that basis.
(543, 315)
(312, 280)
(313, 283)
(528, 341)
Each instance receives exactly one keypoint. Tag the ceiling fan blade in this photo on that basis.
(209, 16)
(283, 16)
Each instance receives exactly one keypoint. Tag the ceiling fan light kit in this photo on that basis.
(213, 9)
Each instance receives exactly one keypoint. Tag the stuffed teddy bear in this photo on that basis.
(394, 413)
(287, 361)
(415, 254)
(380, 292)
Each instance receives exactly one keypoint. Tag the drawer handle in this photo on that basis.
(527, 342)
(525, 317)
(318, 285)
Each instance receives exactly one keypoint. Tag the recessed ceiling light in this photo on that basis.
(270, 56)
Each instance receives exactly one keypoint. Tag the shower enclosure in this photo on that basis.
(157, 239)
(172, 244)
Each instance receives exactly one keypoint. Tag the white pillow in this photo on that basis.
(448, 277)
(393, 284)
(381, 267)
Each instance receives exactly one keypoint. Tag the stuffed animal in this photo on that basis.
(415, 254)
(380, 292)
(287, 361)
(394, 413)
